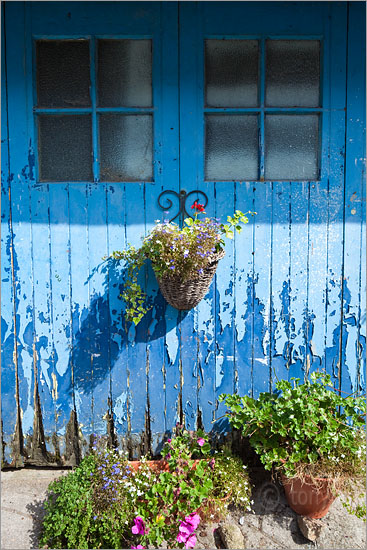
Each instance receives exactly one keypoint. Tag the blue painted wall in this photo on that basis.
(287, 299)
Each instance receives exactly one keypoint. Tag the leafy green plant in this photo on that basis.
(175, 252)
(305, 429)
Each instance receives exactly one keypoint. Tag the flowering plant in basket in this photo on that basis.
(184, 260)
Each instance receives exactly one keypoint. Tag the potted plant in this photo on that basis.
(107, 502)
(311, 435)
(184, 260)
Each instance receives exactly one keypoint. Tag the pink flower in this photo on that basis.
(139, 547)
(201, 441)
(169, 440)
(191, 541)
(181, 537)
(139, 527)
(193, 519)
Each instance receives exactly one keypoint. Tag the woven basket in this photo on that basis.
(187, 294)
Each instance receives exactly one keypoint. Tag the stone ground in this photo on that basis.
(272, 525)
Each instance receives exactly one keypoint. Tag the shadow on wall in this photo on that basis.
(102, 331)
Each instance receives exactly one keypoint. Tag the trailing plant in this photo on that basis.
(305, 429)
(175, 252)
(105, 503)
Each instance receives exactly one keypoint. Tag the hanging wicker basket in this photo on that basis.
(187, 294)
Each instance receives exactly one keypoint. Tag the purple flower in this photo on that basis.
(201, 441)
(139, 526)
(94, 517)
(139, 547)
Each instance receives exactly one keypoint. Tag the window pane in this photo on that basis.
(63, 77)
(292, 73)
(231, 73)
(65, 148)
(291, 147)
(126, 147)
(124, 73)
(231, 147)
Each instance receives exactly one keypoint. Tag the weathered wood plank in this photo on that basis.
(80, 357)
(298, 291)
(262, 281)
(353, 346)
(244, 291)
(280, 281)
(61, 304)
(8, 342)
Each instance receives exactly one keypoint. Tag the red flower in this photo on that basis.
(198, 207)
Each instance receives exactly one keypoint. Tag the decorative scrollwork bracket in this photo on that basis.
(182, 197)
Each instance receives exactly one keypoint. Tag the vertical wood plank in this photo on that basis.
(137, 368)
(8, 342)
(262, 282)
(353, 344)
(191, 177)
(166, 177)
(206, 336)
(335, 53)
(298, 291)
(43, 322)
(98, 315)
(280, 281)
(80, 359)
(118, 336)
(224, 300)
(244, 291)
(61, 303)
(21, 169)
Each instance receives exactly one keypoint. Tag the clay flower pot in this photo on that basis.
(307, 498)
(154, 465)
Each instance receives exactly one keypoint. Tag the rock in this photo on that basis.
(310, 528)
(231, 536)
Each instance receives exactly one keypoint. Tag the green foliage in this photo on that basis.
(95, 506)
(69, 509)
(174, 252)
(304, 429)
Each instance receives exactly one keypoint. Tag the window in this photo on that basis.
(94, 110)
(262, 109)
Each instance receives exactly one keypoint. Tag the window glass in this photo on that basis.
(291, 147)
(292, 73)
(126, 145)
(231, 147)
(231, 73)
(62, 77)
(121, 143)
(124, 73)
(65, 147)
(259, 91)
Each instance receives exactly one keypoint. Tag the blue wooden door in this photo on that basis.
(93, 126)
(106, 105)
(262, 129)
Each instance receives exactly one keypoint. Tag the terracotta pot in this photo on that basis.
(156, 465)
(307, 498)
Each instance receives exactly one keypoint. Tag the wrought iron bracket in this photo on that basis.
(182, 197)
